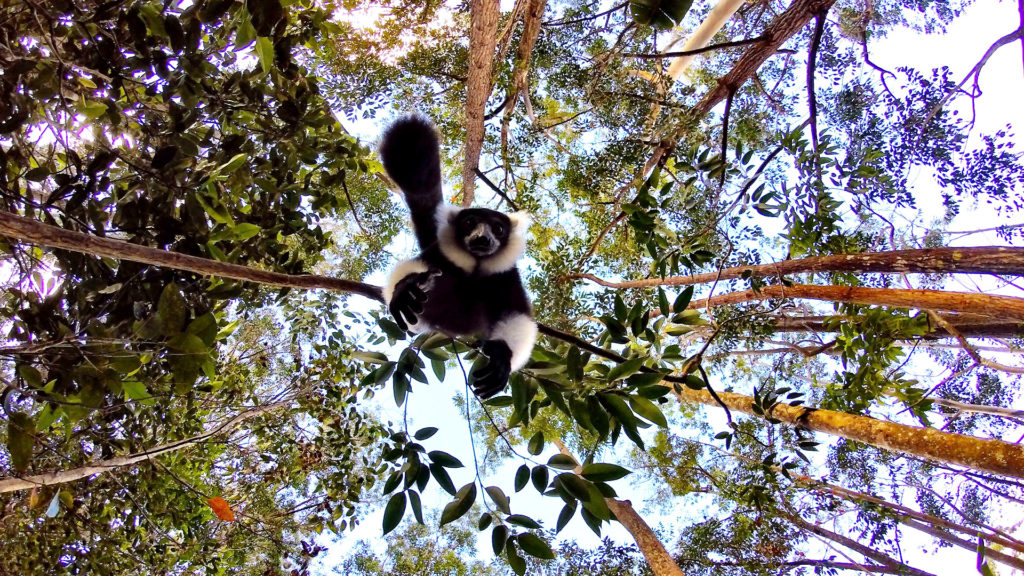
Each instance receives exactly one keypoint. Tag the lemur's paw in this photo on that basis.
(491, 378)
(410, 294)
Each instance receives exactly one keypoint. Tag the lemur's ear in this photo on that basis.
(520, 221)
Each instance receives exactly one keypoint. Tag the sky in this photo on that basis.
(1002, 82)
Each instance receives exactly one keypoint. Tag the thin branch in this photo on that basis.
(812, 59)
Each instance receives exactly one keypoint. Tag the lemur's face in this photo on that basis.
(482, 232)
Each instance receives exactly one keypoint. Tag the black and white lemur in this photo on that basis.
(464, 281)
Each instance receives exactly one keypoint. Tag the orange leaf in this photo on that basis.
(221, 508)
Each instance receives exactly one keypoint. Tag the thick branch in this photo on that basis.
(969, 325)
(1006, 559)
(962, 302)
(27, 229)
(975, 260)
(103, 466)
(778, 31)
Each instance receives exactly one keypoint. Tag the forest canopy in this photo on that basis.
(777, 282)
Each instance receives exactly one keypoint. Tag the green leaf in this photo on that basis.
(443, 479)
(536, 444)
(498, 537)
(663, 14)
(534, 546)
(244, 231)
(425, 433)
(135, 390)
(444, 459)
(171, 310)
(46, 417)
(663, 304)
(562, 462)
(484, 521)
(33, 378)
(463, 501)
(370, 357)
(577, 487)
(394, 511)
(20, 439)
(417, 506)
(516, 562)
(522, 477)
(265, 52)
(499, 498)
(683, 300)
(648, 410)
(645, 379)
(627, 368)
(565, 515)
(600, 472)
(235, 163)
(40, 173)
(539, 477)
(521, 520)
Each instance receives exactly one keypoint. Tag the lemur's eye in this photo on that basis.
(499, 229)
(469, 221)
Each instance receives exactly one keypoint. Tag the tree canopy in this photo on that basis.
(756, 293)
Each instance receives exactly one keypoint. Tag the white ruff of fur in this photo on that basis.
(520, 333)
(503, 261)
(413, 266)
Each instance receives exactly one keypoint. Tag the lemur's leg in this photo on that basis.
(507, 348)
(406, 291)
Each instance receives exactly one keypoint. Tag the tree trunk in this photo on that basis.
(993, 456)
(658, 558)
(111, 464)
(483, 36)
(962, 302)
(975, 260)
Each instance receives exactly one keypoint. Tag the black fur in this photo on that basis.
(447, 297)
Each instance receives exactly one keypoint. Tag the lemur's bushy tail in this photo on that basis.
(409, 150)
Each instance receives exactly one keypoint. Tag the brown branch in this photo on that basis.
(975, 73)
(975, 260)
(963, 302)
(1006, 559)
(970, 325)
(812, 60)
(27, 229)
(658, 559)
(785, 25)
(852, 544)
(483, 35)
(103, 466)
(969, 348)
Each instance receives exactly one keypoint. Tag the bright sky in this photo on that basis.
(1002, 82)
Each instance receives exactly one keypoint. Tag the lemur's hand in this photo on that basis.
(410, 294)
(491, 378)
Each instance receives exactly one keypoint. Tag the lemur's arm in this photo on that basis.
(411, 156)
(512, 336)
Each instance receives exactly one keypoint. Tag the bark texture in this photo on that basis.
(483, 36)
(993, 456)
(975, 260)
(970, 325)
(962, 302)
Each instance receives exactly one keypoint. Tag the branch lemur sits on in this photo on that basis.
(464, 281)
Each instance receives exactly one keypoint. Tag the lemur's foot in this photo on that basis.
(410, 294)
(491, 378)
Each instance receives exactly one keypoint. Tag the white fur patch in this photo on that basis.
(519, 332)
(446, 239)
(403, 269)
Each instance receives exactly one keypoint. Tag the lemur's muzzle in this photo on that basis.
(480, 242)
